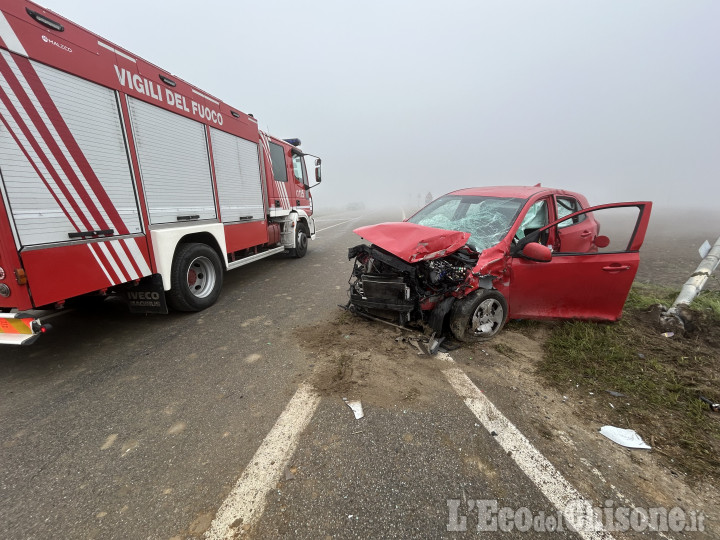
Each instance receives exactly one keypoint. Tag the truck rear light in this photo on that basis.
(4, 290)
(40, 328)
(21, 276)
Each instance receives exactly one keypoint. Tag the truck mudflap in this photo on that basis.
(147, 296)
(20, 328)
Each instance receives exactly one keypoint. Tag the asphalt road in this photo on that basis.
(125, 426)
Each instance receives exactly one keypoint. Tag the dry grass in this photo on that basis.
(662, 378)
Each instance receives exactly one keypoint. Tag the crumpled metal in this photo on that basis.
(412, 242)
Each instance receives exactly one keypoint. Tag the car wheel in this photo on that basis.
(479, 316)
(301, 240)
(196, 278)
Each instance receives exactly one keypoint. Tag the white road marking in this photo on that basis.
(341, 223)
(540, 471)
(246, 501)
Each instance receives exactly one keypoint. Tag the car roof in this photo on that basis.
(522, 192)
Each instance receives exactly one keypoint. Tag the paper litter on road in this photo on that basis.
(356, 407)
(624, 437)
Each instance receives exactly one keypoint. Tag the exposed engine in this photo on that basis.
(385, 286)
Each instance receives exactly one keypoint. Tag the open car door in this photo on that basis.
(589, 284)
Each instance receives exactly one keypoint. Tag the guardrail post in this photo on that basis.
(673, 318)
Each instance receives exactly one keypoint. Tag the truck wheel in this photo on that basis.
(302, 234)
(479, 316)
(196, 278)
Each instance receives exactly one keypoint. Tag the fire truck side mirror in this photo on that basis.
(318, 175)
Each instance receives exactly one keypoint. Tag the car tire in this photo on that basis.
(479, 316)
(196, 278)
(302, 235)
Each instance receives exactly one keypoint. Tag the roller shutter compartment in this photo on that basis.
(174, 165)
(64, 161)
(237, 172)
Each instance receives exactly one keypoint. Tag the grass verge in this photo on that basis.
(660, 378)
(708, 302)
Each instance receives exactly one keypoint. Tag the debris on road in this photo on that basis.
(414, 343)
(422, 345)
(615, 394)
(356, 407)
(433, 344)
(624, 437)
(668, 334)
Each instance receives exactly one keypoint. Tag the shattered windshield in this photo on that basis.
(487, 219)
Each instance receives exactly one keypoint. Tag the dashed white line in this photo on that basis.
(341, 223)
(246, 501)
(540, 471)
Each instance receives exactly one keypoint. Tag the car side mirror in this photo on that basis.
(602, 241)
(536, 252)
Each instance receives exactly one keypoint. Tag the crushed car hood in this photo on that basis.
(412, 242)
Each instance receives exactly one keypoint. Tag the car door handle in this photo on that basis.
(617, 268)
(585, 234)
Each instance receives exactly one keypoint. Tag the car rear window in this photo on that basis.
(567, 206)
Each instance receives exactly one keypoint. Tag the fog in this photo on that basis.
(617, 100)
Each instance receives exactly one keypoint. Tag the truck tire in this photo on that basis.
(478, 316)
(196, 278)
(302, 235)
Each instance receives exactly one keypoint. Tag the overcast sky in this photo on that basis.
(617, 99)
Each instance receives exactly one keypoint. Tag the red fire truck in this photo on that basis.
(117, 177)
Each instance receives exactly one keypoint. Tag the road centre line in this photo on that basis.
(246, 502)
(341, 223)
(535, 466)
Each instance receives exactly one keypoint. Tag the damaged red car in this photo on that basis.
(472, 259)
